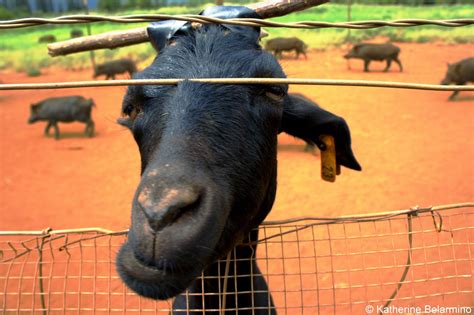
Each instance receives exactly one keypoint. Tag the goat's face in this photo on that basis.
(208, 156)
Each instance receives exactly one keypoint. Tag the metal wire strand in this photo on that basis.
(354, 83)
(141, 18)
(326, 220)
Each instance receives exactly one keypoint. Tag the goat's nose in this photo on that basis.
(168, 206)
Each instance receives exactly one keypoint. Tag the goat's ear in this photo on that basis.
(304, 119)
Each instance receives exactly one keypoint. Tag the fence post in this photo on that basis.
(85, 3)
(349, 18)
(348, 37)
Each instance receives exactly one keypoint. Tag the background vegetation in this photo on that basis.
(20, 50)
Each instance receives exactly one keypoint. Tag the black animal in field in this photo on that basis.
(63, 109)
(47, 39)
(376, 52)
(112, 68)
(76, 33)
(209, 166)
(280, 44)
(459, 73)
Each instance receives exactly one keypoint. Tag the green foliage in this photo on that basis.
(6, 14)
(335, 12)
(141, 4)
(109, 5)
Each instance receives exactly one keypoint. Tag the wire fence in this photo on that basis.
(146, 18)
(75, 19)
(409, 259)
(353, 83)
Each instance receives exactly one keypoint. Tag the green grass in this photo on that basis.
(331, 13)
(20, 50)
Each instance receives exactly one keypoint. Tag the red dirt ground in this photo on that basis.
(415, 147)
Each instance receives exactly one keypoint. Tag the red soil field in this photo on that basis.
(415, 147)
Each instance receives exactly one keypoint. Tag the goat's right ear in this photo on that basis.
(304, 119)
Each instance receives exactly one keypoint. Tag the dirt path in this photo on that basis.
(415, 148)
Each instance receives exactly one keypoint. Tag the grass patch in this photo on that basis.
(421, 34)
(19, 48)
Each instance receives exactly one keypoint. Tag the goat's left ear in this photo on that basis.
(304, 119)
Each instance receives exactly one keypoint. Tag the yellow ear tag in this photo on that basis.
(329, 168)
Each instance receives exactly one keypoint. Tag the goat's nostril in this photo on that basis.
(168, 206)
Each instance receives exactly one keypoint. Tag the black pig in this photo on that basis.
(377, 52)
(459, 73)
(76, 33)
(63, 109)
(47, 39)
(279, 44)
(111, 68)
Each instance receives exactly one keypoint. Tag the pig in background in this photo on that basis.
(63, 109)
(459, 73)
(278, 45)
(47, 39)
(112, 68)
(376, 52)
(76, 33)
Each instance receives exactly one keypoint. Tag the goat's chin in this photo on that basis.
(150, 281)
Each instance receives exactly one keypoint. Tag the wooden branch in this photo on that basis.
(108, 40)
(134, 36)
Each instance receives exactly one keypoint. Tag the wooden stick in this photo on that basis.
(134, 36)
(108, 40)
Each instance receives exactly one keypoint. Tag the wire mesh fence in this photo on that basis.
(403, 260)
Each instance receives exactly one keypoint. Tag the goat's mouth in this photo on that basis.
(160, 280)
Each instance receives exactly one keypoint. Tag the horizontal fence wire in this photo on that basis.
(416, 210)
(245, 81)
(80, 19)
(141, 18)
(406, 259)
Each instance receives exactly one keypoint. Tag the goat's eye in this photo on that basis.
(131, 111)
(276, 93)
